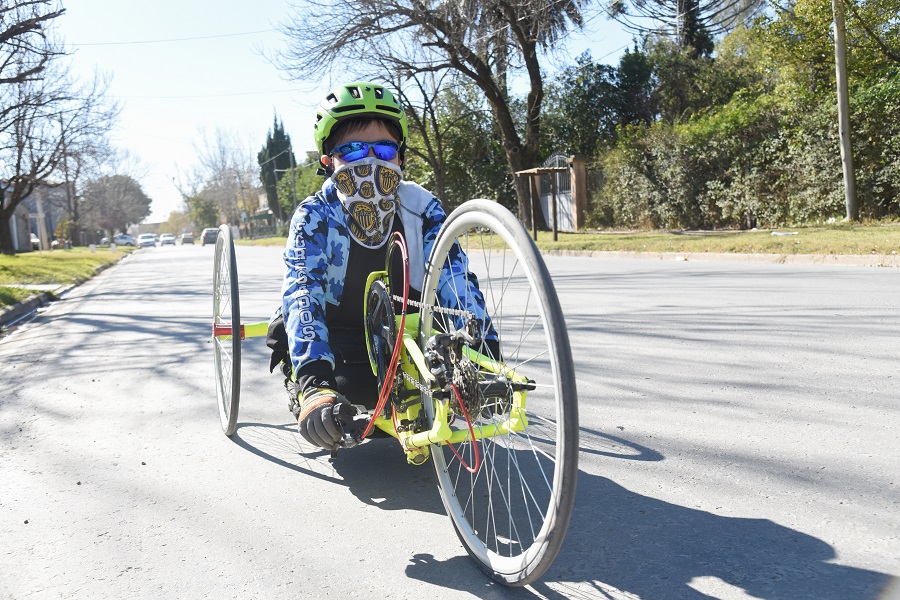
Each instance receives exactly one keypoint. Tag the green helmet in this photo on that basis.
(353, 100)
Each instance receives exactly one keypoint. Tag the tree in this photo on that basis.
(46, 118)
(275, 159)
(178, 222)
(26, 48)
(202, 212)
(54, 118)
(294, 187)
(691, 24)
(470, 158)
(585, 101)
(113, 202)
(227, 172)
(480, 40)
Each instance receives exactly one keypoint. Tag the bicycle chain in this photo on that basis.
(456, 312)
(438, 309)
(419, 386)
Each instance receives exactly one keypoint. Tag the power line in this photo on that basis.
(203, 95)
(187, 39)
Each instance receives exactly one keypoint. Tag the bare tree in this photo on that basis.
(481, 40)
(227, 173)
(53, 121)
(26, 46)
(47, 121)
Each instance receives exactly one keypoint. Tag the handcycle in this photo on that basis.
(499, 418)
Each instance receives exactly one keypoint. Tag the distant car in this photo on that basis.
(146, 239)
(167, 238)
(208, 236)
(120, 239)
(187, 238)
(35, 242)
(123, 239)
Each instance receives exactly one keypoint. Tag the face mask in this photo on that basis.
(368, 190)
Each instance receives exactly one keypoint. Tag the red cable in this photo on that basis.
(398, 241)
(471, 434)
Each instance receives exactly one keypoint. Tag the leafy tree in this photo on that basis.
(202, 211)
(113, 202)
(178, 222)
(634, 79)
(586, 108)
(304, 180)
(275, 159)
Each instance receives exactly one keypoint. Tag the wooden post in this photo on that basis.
(553, 177)
(531, 186)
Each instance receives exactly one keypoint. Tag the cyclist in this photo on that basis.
(337, 238)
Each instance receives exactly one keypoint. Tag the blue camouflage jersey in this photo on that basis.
(316, 257)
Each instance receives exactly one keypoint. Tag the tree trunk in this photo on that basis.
(6, 241)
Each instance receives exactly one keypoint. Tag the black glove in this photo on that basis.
(323, 413)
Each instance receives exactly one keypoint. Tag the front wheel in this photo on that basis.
(509, 495)
(226, 331)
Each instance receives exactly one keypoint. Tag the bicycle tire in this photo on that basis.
(513, 512)
(227, 312)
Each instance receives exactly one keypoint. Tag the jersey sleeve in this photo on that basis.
(303, 289)
(457, 287)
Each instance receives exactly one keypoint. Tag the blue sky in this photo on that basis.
(174, 89)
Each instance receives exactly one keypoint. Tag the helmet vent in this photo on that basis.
(379, 93)
(388, 108)
(348, 108)
(354, 91)
(331, 99)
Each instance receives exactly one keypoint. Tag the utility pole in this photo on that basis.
(840, 61)
(293, 174)
(74, 227)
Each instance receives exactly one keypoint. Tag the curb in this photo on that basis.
(15, 313)
(859, 260)
(27, 306)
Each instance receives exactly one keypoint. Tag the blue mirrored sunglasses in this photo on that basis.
(353, 151)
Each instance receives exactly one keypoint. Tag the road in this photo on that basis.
(739, 440)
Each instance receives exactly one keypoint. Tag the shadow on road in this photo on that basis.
(624, 545)
(376, 472)
(620, 544)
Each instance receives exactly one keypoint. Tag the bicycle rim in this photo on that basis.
(226, 311)
(513, 511)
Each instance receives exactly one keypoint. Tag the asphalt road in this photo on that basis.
(739, 440)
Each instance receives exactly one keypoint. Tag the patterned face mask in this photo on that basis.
(368, 190)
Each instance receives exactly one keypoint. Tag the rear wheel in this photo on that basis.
(226, 330)
(510, 496)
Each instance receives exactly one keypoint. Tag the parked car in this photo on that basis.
(167, 238)
(146, 239)
(187, 238)
(120, 239)
(208, 236)
(35, 242)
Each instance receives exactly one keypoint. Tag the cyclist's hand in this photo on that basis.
(322, 413)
